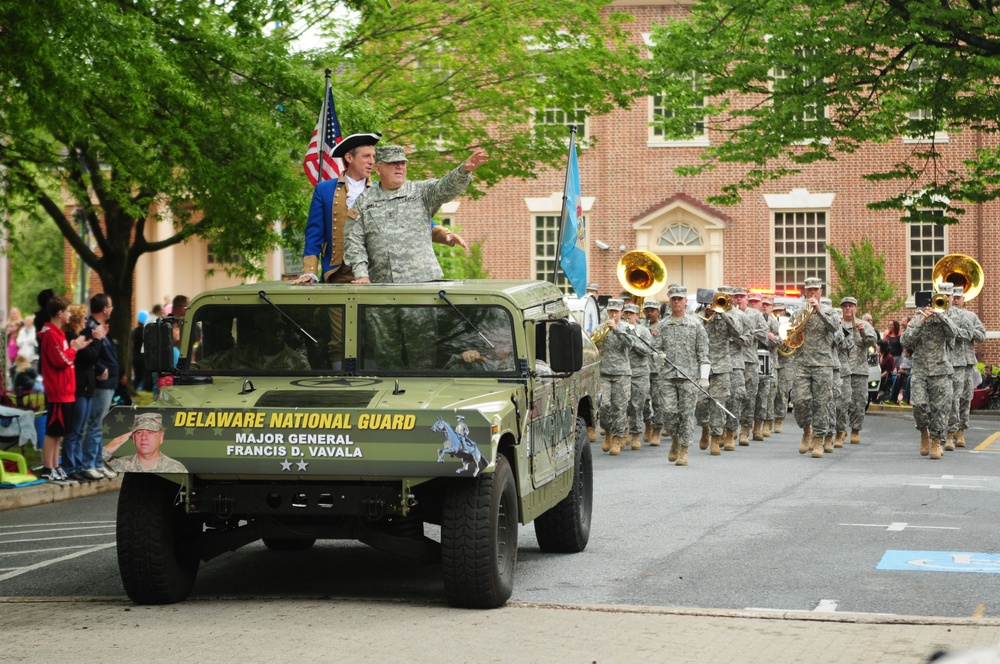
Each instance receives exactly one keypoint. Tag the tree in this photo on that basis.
(456, 263)
(847, 74)
(36, 262)
(861, 275)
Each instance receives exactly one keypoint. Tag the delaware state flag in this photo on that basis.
(573, 255)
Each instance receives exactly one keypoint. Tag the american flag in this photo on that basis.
(331, 167)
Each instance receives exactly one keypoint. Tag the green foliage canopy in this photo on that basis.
(861, 275)
(851, 73)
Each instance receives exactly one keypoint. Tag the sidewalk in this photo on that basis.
(43, 494)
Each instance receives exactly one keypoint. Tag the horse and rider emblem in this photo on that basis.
(457, 444)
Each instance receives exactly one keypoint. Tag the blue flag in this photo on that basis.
(573, 255)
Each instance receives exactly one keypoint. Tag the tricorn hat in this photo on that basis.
(354, 141)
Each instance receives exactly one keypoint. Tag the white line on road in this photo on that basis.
(55, 548)
(53, 530)
(947, 486)
(68, 523)
(826, 606)
(31, 568)
(897, 526)
(45, 539)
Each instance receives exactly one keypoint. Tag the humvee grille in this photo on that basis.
(316, 399)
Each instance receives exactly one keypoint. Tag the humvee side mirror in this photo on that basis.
(158, 341)
(565, 346)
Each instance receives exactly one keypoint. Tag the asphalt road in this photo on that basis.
(759, 528)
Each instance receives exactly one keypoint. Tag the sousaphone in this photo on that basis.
(959, 270)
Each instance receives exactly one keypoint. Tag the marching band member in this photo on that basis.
(616, 376)
(740, 338)
(964, 363)
(855, 369)
(766, 339)
(784, 373)
(719, 326)
(813, 387)
(639, 359)
(653, 411)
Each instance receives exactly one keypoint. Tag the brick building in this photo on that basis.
(773, 239)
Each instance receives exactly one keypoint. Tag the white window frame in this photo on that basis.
(658, 141)
(547, 261)
(933, 255)
(922, 114)
(820, 268)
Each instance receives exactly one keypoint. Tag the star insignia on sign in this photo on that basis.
(303, 465)
(286, 465)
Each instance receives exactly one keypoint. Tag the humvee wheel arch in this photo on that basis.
(155, 564)
(479, 539)
(566, 527)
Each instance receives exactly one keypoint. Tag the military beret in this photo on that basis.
(390, 154)
(148, 421)
(847, 300)
(615, 304)
(354, 141)
(813, 282)
(678, 291)
(631, 308)
(651, 304)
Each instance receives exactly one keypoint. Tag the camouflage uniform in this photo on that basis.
(855, 374)
(963, 359)
(718, 329)
(740, 337)
(784, 376)
(389, 238)
(757, 329)
(812, 390)
(685, 342)
(131, 464)
(838, 405)
(639, 359)
(616, 376)
(931, 340)
(653, 413)
(768, 388)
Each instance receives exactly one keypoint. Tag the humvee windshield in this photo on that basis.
(237, 339)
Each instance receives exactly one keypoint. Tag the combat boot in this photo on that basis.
(636, 441)
(647, 432)
(936, 451)
(729, 440)
(949, 442)
(616, 445)
(765, 430)
(806, 443)
(706, 434)
(778, 421)
(828, 443)
(855, 436)
(606, 443)
(714, 448)
(604, 432)
(744, 434)
(591, 434)
(674, 449)
(960, 439)
(654, 438)
(817, 447)
(839, 440)
(682, 457)
(757, 433)
(925, 443)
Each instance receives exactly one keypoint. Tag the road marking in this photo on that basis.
(68, 523)
(53, 530)
(946, 486)
(896, 526)
(46, 539)
(826, 606)
(941, 561)
(989, 441)
(31, 568)
(56, 548)
(980, 611)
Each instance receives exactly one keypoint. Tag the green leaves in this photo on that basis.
(861, 275)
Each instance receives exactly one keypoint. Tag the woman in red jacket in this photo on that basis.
(59, 378)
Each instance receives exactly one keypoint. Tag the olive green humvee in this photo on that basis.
(296, 413)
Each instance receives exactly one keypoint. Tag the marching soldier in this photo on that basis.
(931, 335)
(653, 412)
(855, 369)
(639, 359)
(784, 373)
(767, 406)
(964, 363)
(720, 326)
(812, 390)
(739, 343)
(684, 341)
(759, 411)
(616, 376)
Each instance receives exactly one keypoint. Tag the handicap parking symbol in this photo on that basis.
(941, 561)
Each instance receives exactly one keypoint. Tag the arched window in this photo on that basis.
(679, 235)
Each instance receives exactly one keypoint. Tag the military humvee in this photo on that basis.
(361, 412)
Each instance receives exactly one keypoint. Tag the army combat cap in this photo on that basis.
(813, 282)
(678, 291)
(848, 300)
(739, 290)
(593, 287)
(390, 154)
(615, 304)
(958, 290)
(650, 304)
(631, 308)
(945, 287)
(148, 422)
(753, 296)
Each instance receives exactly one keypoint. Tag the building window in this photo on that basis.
(662, 108)
(679, 235)
(924, 117)
(779, 76)
(799, 248)
(546, 242)
(556, 117)
(927, 247)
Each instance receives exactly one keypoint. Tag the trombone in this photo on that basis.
(720, 302)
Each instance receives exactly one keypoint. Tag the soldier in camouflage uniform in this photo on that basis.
(964, 363)
(855, 369)
(757, 330)
(765, 399)
(740, 337)
(719, 327)
(639, 359)
(653, 413)
(812, 391)
(930, 336)
(147, 434)
(765, 341)
(684, 341)
(837, 407)
(784, 375)
(616, 379)
(388, 235)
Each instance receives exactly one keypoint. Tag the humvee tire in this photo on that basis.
(566, 527)
(479, 539)
(287, 543)
(151, 532)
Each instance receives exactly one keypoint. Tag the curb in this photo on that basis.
(43, 494)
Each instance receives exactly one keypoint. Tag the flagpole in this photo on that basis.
(322, 128)
(562, 213)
